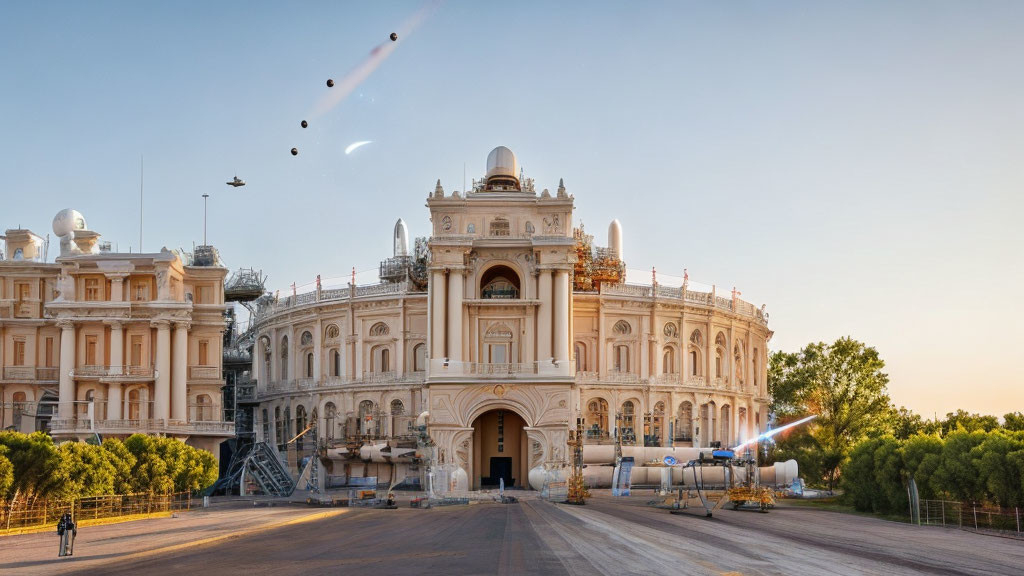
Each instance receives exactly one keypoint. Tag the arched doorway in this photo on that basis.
(499, 450)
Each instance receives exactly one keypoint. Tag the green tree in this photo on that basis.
(1014, 421)
(969, 422)
(123, 462)
(6, 473)
(89, 470)
(149, 474)
(999, 476)
(843, 384)
(957, 474)
(905, 423)
(872, 478)
(922, 455)
(36, 465)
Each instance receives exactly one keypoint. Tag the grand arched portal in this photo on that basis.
(500, 450)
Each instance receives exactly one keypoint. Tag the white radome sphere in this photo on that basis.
(502, 162)
(67, 220)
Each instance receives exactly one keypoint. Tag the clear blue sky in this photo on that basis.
(855, 166)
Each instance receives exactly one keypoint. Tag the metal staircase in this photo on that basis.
(262, 465)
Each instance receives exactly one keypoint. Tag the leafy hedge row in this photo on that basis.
(967, 466)
(32, 467)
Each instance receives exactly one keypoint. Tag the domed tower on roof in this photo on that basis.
(502, 170)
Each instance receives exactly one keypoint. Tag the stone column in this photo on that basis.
(114, 401)
(455, 285)
(116, 348)
(544, 317)
(162, 387)
(66, 391)
(684, 351)
(437, 315)
(117, 287)
(179, 372)
(561, 339)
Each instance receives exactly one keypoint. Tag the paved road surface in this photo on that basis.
(610, 537)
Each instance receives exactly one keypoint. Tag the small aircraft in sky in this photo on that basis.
(236, 182)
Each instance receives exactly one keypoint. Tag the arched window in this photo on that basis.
(379, 329)
(284, 358)
(367, 418)
(90, 395)
(470, 228)
(596, 420)
(335, 362)
(622, 328)
(684, 422)
(278, 427)
(718, 363)
(668, 361)
(134, 404)
(622, 358)
(498, 344)
(300, 424)
(657, 424)
(204, 408)
(580, 351)
(628, 432)
(309, 365)
(499, 282)
(19, 399)
(306, 339)
(419, 356)
(397, 408)
(696, 339)
(330, 414)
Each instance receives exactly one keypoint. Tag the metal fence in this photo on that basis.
(15, 515)
(967, 516)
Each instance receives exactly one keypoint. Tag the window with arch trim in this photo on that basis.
(621, 358)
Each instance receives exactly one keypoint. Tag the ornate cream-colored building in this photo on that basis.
(496, 333)
(110, 343)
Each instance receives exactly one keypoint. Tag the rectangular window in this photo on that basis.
(23, 290)
(19, 351)
(140, 290)
(90, 350)
(499, 353)
(204, 346)
(49, 351)
(136, 359)
(92, 289)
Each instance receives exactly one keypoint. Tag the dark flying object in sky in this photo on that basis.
(236, 182)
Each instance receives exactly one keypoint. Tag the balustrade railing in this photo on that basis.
(131, 426)
(30, 373)
(499, 369)
(204, 372)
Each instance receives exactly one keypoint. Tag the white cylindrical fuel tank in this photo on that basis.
(615, 238)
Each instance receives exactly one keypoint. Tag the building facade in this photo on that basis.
(110, 343)
(495, 335)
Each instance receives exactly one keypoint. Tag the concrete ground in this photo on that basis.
(607, 536)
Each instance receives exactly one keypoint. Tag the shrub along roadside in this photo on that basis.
(33, 467)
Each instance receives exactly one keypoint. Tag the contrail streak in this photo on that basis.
(352, 80)
(771, 433)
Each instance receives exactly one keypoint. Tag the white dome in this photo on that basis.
(67, 220)
(502, 162)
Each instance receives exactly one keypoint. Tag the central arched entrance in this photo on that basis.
(500, 450)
